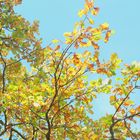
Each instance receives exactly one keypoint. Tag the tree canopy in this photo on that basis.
(47, 92)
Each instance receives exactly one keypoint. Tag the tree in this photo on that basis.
(50, 95)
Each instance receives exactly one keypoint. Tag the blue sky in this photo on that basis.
(59, 16)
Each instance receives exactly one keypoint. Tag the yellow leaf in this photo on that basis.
(91, 21)
(68, 40)
(81, 13)
(94, 137)
(86, 9)
(114, 56)
(86, 137)
(86, 53)
(0, 42)
(55, 41)
(67, 34)
(112, 98)
(104, 26)
(81, 109)
(0, 26)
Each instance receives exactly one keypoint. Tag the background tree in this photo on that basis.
(46, 92)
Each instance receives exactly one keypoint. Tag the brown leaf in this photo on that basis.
(17, 2)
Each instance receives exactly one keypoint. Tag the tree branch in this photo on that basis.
(3, 73)
(119, 120)
(14, 130)
(5, 124)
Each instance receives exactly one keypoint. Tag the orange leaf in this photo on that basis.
(75, 59)
(83, 43)
(17, 1)
(49, 48)
(101, 70)
(57, 47)
(90, 66)
(132, 111)
(96, 46)
(89, 4)
(67, 34)
(128, 103)
(95, 11)
(108, 34)
(138, 108)
(104, 26)
(76, 45)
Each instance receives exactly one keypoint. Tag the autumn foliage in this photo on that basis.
(47, 92)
